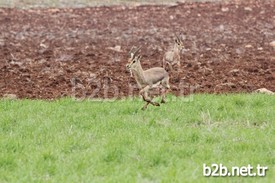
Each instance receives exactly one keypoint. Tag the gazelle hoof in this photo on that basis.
(144, 108)
(156, 104)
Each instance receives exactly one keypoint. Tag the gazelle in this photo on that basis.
(172, 56)
(148, 79)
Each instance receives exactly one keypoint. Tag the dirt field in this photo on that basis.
(50, 53)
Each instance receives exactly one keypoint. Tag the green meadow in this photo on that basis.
(115, 141)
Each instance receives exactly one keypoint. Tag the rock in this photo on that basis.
(116, 48)
(10, 96)
(2, 42)
(92, 75)
(240, 51)
(53, 10)
(43, 45)
(234, 72)
(248, 46)
(16, 63)
(221, 27)
(207, 71)
(229, 84)
(272, 44)
(225, 9)
(265, 91)
(247, 9)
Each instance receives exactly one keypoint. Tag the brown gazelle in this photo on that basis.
(172, 56)
(148, 79)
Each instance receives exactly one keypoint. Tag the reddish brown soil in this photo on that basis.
(50, 53)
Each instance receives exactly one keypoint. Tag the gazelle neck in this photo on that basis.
(139, 75)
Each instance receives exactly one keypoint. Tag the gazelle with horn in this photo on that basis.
(148, 79)
(172, 56)
(131, 55)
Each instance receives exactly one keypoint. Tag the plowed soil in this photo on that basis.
(51, 53)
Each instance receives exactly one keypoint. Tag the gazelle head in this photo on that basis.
(133, 58)
(179, 43)
(133, 63)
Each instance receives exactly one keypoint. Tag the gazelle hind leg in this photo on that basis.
(148, 101)
(146, 98)
(165, 89)
(145, 106)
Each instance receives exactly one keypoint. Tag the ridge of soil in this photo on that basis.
(50, 53)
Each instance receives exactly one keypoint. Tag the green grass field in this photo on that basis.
(98, 141)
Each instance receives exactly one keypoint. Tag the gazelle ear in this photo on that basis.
(177, 39)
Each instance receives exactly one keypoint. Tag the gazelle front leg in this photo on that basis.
(165, 88)
(163, 95)
(170, 67)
